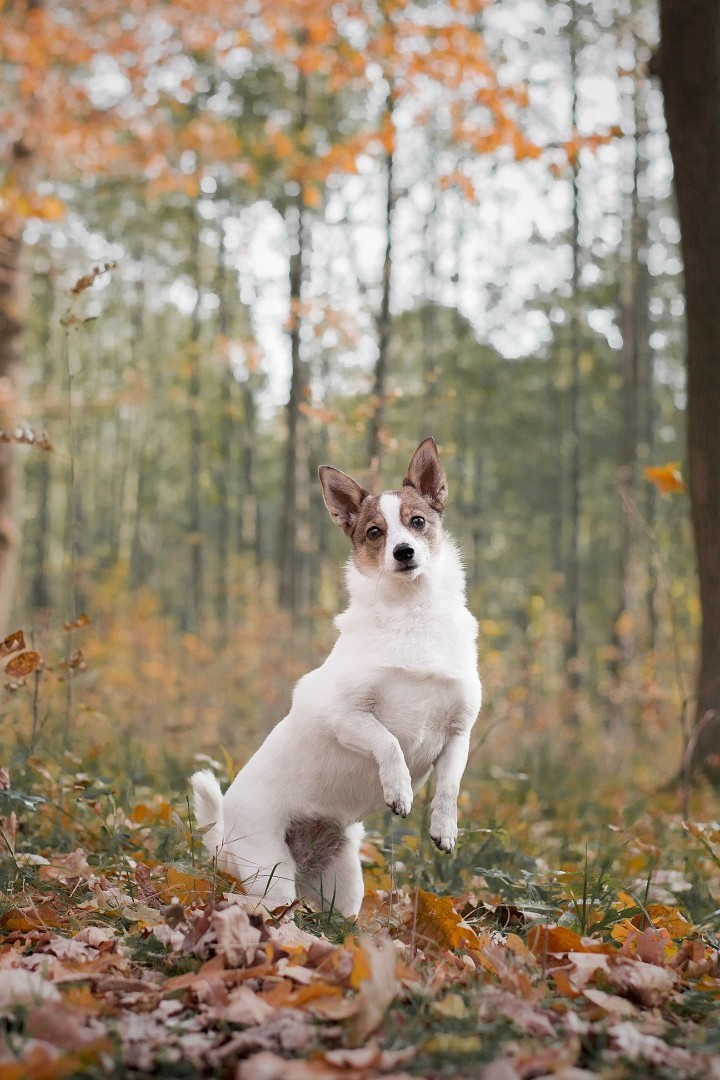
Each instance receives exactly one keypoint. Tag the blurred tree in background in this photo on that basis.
(259, 237)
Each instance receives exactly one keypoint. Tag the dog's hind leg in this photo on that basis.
(263, 863)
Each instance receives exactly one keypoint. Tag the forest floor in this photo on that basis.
(566, 937)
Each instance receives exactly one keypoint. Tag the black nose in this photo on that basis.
(403, 553)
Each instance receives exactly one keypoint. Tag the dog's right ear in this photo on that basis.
(343, 497)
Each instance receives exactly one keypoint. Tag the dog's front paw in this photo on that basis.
(398, 795)
(443, 832)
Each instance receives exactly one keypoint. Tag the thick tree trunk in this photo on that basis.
(688, 63)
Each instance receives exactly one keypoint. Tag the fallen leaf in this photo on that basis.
(647, 983)
(18, 667)
(376, 993)
(437, 923)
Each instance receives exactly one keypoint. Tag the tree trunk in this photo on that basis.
(572, 558)
(295, 517)
(11, 327)
(195, 523)
(632, 295)
(225, 470)
(379, 390)
(40, 591)
(688, 63)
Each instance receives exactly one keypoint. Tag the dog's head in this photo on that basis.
(398, 531)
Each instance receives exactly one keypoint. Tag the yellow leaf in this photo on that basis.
(188, 888)
(669, 918)
(447, 1043)
(453, 1006)
(439, 924)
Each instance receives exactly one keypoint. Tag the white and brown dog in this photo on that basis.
(396, 697)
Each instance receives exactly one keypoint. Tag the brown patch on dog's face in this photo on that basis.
(387, 522)
(368, 535)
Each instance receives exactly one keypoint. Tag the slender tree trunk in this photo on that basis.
(295, 518)
(250, 524)
(572, 572)
(137, 425)
(40, 591)
(379, 390)
(195, 515)
(11, 328)
(295, 522)
(225, 466)
(688, 63)
(625, 623)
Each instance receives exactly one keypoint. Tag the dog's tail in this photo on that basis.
(207, 804)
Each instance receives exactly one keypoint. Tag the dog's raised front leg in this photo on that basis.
(362, 732)
(449, 769)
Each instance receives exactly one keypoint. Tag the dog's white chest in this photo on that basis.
(421, 711)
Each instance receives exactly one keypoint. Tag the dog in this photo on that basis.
(397, 696)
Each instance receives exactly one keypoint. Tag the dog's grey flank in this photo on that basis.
(314, 843)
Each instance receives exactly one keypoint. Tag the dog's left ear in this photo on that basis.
(427, 475)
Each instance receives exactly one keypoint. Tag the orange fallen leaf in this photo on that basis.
(438, 923)
(546, 941)
(188, 888)
(667, 478)
(669, 918)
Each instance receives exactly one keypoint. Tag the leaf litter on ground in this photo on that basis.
(118, 961)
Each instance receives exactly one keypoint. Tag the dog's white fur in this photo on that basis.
(397, 696)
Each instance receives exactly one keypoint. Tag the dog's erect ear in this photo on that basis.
(342, 495)
(427, 475)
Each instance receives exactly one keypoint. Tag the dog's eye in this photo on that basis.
(373, 533)
(417, 522)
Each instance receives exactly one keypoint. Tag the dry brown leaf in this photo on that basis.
(584, 966)
(649, 1049)
(651, 945)
(61, 1025)
(646, 983)
(611, 1004)
(237, 938)
(370, 1056)
(67, 867)
(242, 1006)
(376, 993)
(269, 1066)
(12, 643)
(288, 1032)
(18, 667)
